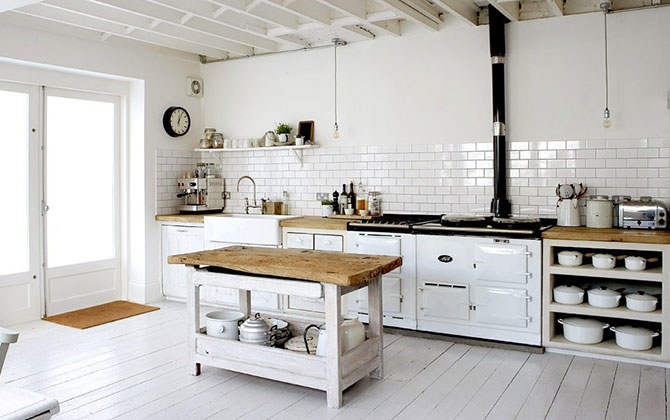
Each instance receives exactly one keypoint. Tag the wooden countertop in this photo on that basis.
(315, 222)
(608, 235)
(183, 218)
(322, 266)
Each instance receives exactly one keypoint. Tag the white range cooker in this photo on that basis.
(473, 277)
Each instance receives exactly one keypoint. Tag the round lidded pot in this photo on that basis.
(635, 263)
(634, 338)
(570, 258)
(599, 211)
(641, 302)
(223, 324)
(568, 295)
(603, 297)
(603, 261)
(256, 330)
(583, 330)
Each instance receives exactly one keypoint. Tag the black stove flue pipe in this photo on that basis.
(500, 205)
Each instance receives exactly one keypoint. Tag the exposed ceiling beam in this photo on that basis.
(425, 8)
(508, 9)
(201, 17)
(464, 10)
(411, 14)
(306, 9)
(73, 19)
(359, 31)
(132, 20)
(263, 11)
(15, 4)
(391, 27)
(357, 10)
(556, 7)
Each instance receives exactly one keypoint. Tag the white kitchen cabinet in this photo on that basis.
(319, 240)
(178, 239)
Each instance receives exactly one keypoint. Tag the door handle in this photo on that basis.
(45, 208)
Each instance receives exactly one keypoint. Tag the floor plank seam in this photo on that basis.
(507, 387)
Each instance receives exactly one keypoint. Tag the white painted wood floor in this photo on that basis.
(135, 369)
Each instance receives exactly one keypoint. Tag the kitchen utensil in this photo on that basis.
(223, 324)
(321, 341)
(363, 213)
(280, 332)
(603, 261)
(641, 302)
(635, 263)
(603, 297)
(297, 344)
(565, 191)
(257, 330)
(299, 141)
(634, 338)
(644, 213)
(270, 138)
(570, 258)
(568, 212)
(598, 211)
(583, 330)
(349, 212)
(352, 330)
(568, 295)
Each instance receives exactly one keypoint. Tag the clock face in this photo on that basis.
(176, 121)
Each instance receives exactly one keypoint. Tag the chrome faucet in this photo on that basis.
(256, 209)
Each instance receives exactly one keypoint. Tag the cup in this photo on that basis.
(227, 143)
(247, 144)
(299, 141)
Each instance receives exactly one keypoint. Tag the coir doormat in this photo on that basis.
(100, 314)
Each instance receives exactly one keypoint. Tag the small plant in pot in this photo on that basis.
(283, 130)
(326, 208)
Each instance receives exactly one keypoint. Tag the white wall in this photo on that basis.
(435, 87)
(155, 81)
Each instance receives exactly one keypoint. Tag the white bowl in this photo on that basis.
(364, 213)
(349, 212)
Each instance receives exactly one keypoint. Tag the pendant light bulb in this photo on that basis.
(607, 123)
(336, 42)
(336, 132)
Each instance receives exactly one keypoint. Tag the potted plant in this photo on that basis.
(283, 130)
(326, 208)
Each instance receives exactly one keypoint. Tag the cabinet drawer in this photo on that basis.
(300, 240)
(328, 243)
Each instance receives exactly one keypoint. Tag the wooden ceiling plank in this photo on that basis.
(427, 9)
(411, 14)
(354, 8)
(204, 12)
(509, 9)
(391, 26)
(261, 11)
(306, 9)
(358, 31)
(6, 5)
(124, 17)
(466, 11)
(72, 19)
(556, 7)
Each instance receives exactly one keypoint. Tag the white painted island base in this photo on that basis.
(333, 373)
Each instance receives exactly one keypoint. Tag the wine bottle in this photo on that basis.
(344, 198)
(352, 196)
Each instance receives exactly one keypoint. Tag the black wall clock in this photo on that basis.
(176, 121)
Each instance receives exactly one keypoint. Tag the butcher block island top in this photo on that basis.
(608, 235)
(348, 270)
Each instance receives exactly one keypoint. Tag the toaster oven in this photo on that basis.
(644, 213)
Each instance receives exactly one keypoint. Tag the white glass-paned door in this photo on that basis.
(19, 242)
(81, 191)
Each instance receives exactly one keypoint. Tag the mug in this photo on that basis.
(247, 144)
(299, 141)
(227, 143)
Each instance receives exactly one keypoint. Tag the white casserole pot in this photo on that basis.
(634, 338)
(635, 263)
(583, 331)
(568, 295)
(598, 211)
(604, 297)
(223, 324)
(570, 258)
(641, 302)
(603, 261)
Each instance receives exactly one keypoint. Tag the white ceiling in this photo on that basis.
(223, 29)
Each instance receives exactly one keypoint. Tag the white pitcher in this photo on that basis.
(568, 212)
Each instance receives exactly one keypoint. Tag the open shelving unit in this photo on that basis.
(554, 274)
(297, 150)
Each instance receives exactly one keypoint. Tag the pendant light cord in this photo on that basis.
(335, 81)
(606, 67)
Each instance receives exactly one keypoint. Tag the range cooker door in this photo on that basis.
(391, 296)
(501, 262)
(502, 306)
(377, 245)
(444, 259)
(444, 301)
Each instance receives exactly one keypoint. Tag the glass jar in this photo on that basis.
(375, 203)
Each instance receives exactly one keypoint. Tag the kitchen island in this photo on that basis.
(303, 273)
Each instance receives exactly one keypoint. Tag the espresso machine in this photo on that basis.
(202, 192)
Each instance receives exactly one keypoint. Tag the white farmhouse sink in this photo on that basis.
(250, 229)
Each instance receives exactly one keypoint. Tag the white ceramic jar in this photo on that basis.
(570, 258)
(568, 295)
(598, 211)
(641, 302)
(223, 324)
(604, 298)
(603, 261)
(353, 333)
(635, 263)
(582, 330)
(634, 338)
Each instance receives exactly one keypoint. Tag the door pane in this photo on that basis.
(80, 174)
(14, 248)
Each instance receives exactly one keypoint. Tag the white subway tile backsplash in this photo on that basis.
(433, 178)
